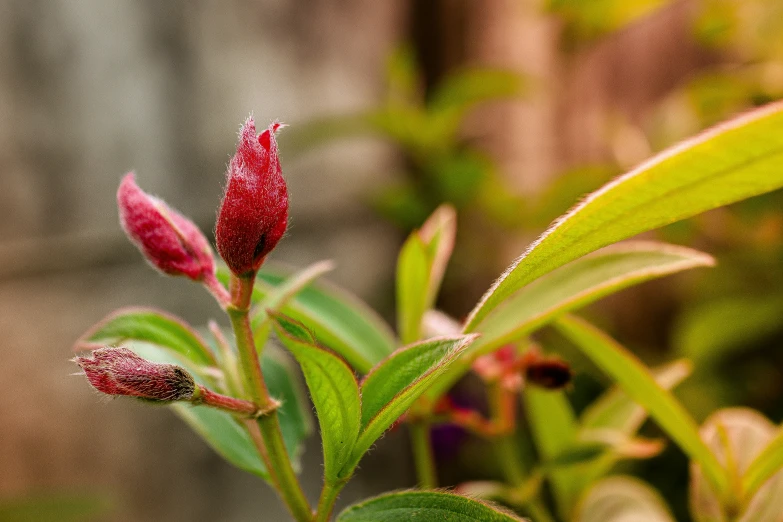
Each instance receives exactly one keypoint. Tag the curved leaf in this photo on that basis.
(333, 389)
(730, 162)
(396, 382)
(633, 377)
(149, 325)
(738, 437)
(622, 499)
(224, 433)
(424, 506)
(570, 287)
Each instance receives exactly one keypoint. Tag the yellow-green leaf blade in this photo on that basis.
(420, 269)
(634, 378)
(733, 161)
(570, 287)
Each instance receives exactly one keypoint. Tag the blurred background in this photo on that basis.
(509, 109)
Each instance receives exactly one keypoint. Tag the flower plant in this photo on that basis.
(237, 392)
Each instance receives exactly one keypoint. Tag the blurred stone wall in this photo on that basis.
(90, 89)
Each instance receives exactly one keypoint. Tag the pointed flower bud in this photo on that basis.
(119, 371)
(254, 213)
(170, 242)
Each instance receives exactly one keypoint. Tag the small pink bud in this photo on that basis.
(170, 242)
(119, 371)
(254, 213)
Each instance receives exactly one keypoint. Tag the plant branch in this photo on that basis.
(278, 462)
(423, 457)
(329, 495)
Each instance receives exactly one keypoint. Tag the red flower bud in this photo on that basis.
(119, 371)
(550, 373)
(254, 213)
(169, 241)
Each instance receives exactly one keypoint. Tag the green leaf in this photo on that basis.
(425, 506)
(412, 270)
(286, 291)
(333, 389)
(622, 499)
(396, 382)
(766, 464)
(420, 269)
(149, 326)
(568, 288)
(225, 435)
(553, 426)
(742, 438)
(615, 418)
(338, 320)
(615, 410)
(733, 161)
(636, 380)
(223, 432)
(53, 507)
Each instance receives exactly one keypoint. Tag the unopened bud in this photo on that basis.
(119, 371)
(254, 213)
(170, 242)
(548, 372)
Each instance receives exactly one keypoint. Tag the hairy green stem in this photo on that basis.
(423, 457)
(277, 460)
(328, 498)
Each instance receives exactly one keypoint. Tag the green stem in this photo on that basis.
(276, 457)
(423, 456)
(328, 498)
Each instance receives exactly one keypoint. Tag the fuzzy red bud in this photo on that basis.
(254, 213)
(119, 371)
(170, 242)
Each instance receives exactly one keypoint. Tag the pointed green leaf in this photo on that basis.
(571, 287)
(392, 386)
(553, 426)
(152, 326)
(635, 379)
(425, 506)
(733, 161)
(337, 318)
(420, 268)
(333, 389)
(622, 499)
(412, 270)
